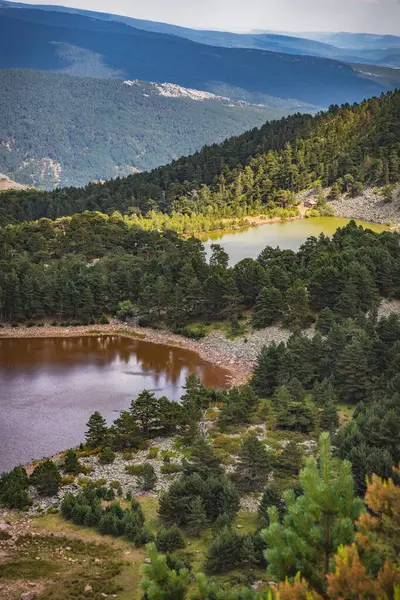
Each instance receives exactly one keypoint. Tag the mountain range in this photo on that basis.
(87, 46)
(89, 96)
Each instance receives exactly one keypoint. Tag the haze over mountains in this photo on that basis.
(60, 130)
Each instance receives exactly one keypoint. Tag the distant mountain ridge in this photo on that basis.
(60, 130)
(349, 47)
(86, 46)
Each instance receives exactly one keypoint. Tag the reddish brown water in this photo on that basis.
(50, 387)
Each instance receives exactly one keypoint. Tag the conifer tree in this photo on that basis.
(271, 497)
(315, 524)
(329, 418)
(197, 517)
(96, 434)
(268, 308)
(202, 460)
(161, 583)
(254, 465)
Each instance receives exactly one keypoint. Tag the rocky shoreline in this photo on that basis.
(369, 206)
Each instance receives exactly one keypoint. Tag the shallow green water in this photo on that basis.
(285, 234)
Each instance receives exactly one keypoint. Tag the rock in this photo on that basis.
(88, 588)
(147, 561)
(68, 548)
(37, 557)
(239, 526)
(104, 595)
(97, 560)
(27, 596)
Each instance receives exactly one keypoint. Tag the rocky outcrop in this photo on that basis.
(369, 206)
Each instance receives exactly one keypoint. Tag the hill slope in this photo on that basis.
(62, 130)
(80, 45)
(256, 171)
(364, 48)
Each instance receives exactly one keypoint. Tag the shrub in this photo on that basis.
(170, 468)
(134, 469)
(66, 480)
(14, 325)
(71, 463)
(168, 540)
(103, 320)
(153, 453)
(14, 488)
(143, 537)
(46, 478)
(148, 477)
(106, 456)
(54, 323)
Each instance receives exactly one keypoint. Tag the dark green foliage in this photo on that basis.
(169, 540)
(106, 456)
(71, 462)
(85, 509)
(197, 517)
(218, 495)
(268, 308)
(254, 465)
(247, 173)
(325, 320)
(46, 478)
(290, 460)
(271, 497)
(202, 461)
(295, 416)
(268, 373)
(131, 134)
(230, 550)
(329, 418)
(96, 434)
(238, 405)
(14, 488)
(147, 477)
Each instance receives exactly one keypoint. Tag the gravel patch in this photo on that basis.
(370, 206)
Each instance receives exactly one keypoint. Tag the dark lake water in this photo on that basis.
(50, 387)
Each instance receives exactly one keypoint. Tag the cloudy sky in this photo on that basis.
(373, 16)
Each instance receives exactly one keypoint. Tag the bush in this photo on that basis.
(103, 320)
(148, 478)
(143, 537)
(14, 325)
(106, 456)
(46, 478)
(170, 468)
(66, 480)
(14, 488)
(134, 469)
(71, 463)
(54, 323)
(153, 453)
(168, 540)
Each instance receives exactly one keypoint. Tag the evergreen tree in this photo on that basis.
(46, 478)
(298, 309)
(145, 410)
(329, 418)
(96, 434)
(268, 308)
(325, 320)
(202, 460)
(161, 583)
(290, 460)
(271, 497)
(315, 524)
(254, 465)
(197, 517)
(352, 372)
(71, 462)
(269, 371)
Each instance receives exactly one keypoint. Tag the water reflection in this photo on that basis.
(49, 387)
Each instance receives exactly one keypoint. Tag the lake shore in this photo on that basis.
(369, 206)
(239, 369)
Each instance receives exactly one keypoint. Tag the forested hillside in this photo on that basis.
(81, 45)
(59, 130)
(345, 147)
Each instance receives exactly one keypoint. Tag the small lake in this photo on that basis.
(50, 387)
(288, 235)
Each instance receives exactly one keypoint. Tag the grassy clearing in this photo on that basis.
(345, 412)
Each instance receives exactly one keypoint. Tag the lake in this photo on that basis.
(288, 235)
(50, 387)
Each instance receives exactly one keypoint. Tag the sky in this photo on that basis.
(371, 16)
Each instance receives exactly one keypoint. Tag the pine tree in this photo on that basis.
(291, 459)
(325, 320)
(298, 309)
(352, 372)
(202, 460)
(161, 583)
(268, 308)
(271, 497)
(269, 371)
(315, 524)
(254, 465)
(197, 517)
(96, 434)
(145, 410)
(71, 462)
(46, 478)
(329, 418)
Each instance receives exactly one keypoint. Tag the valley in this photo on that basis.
(199, 344)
